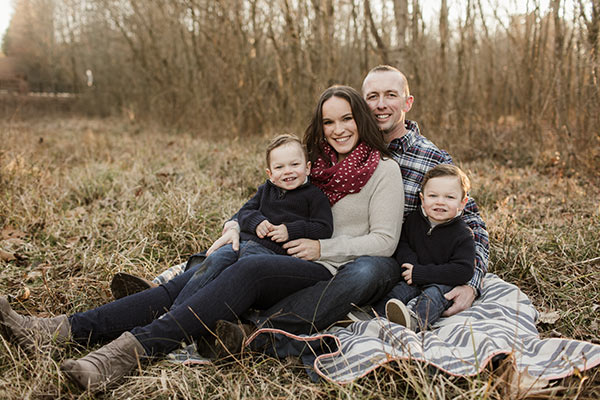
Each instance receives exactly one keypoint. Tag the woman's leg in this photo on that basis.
(252, 281)
(110, 320)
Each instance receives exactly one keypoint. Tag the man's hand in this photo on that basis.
(306, 249)
(463, 297)
(264, 228)
(230, 234)
(279, 233)
(407, 272)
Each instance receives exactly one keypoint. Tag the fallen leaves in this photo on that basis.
(6, 256)
(548, 317)
(12, 237)
(515, 384)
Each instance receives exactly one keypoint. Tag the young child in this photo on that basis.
(436, 250)
(286, 207)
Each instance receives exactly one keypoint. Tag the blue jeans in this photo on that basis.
(216, 263)
(160, 326)
(314, 308)
(429, 306)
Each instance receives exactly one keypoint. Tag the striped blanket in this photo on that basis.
(501, 321)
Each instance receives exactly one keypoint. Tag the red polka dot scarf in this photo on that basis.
(337, 180)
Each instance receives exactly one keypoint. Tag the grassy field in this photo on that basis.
(83, 199)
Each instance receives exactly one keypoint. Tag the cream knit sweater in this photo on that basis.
(367, 223)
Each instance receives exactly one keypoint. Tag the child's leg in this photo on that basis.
(402, 291)
(207, 271)
(431, 304)
(216, 263)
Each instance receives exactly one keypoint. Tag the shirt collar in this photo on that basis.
(406, 141)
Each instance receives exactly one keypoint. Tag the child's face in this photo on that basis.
(442, 198)
(288, 168)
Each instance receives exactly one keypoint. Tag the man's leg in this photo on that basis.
(360, 282)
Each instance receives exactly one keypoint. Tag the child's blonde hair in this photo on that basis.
(448, 170)
(281, 140)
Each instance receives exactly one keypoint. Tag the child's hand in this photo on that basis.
(407, 273)
(264, 228)
(279, 233)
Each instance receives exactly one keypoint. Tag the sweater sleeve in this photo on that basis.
(404, 253)
(319, 224)
(482, 248)
(385, 208)
(457, 271)
(248, 216)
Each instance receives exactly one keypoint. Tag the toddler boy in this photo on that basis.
(286, 207)
(436, 250)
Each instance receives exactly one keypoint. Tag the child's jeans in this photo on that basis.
(429, 303)
(216, 263)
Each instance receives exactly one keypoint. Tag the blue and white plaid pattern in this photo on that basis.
(416, 155)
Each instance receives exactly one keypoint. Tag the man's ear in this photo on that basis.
(308, 166)
(268, 171)
(408, 104)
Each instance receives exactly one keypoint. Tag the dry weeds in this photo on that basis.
(82, 199)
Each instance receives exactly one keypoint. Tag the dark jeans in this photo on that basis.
(429, 306)
(314, 308)
(216, 263)
(161, 327)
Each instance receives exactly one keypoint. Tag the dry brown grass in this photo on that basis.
(93, 197)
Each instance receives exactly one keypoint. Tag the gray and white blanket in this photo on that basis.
(501, 322)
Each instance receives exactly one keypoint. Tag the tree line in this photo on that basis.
(498, 83)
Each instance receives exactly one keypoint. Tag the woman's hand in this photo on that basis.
(407, 272)
(231, 234)
(306, 249)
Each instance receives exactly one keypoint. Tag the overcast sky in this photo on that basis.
(5, 14)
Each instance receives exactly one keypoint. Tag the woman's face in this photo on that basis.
(339, 126)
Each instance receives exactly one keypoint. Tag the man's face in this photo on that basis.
(384, 93)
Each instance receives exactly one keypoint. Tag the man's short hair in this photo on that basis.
(281, 140)
(389, 68)
(448, 170)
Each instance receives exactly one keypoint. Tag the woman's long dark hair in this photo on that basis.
(368, 131)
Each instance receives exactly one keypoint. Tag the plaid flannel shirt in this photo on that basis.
(416, 155)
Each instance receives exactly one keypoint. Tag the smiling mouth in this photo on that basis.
(383, 116)
(289, 179)
(342, 140)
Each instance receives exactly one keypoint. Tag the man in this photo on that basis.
(368, 278)
(386, 91)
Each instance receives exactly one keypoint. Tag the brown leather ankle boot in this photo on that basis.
(105, 367)
(31, 332)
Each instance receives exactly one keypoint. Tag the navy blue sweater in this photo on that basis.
(305, 212)
(444, 254)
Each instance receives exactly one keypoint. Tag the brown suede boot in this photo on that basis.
(231, 337)
(32, 332)
(124, 284)
(106, 366)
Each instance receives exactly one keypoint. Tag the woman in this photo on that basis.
(347, 150)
